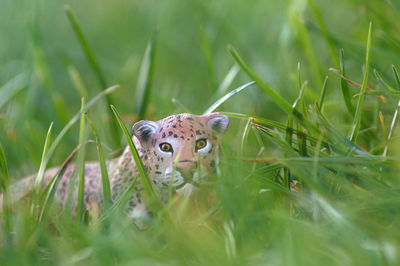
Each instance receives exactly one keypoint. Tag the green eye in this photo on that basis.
(166, 147)
(200, 144)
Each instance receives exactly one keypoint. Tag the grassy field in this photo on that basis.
(323, 112)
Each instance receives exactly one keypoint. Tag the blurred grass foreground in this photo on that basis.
(321, 118)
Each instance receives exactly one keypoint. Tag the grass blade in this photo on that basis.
(339, 160)
(171, 181)
(12, 87)
(301, 136)
(205, 46)
(325, 32)
(396, 112)
(289, 140)
(301, 140)
(387, 91)
(245, 135)
(305, 40)
(323, 93)
(103, 167)
(382, 122)
(94, 64)
(380, 79)
(299, 76)
(289, 131)
(300, 98)
(42, 72)
(76, 77)
(145, 79)
(39, 178)
(337, 138)
(85, 46)
(380, 93)
(358, 113)
(229, 78)
(289, 126)
(226, 83)
(286, 148)
(4, 188)
(343, 84)
(268, 122)
(142, 172)
(226, 97)
(396, 76)
(119, 204)
(51, 188)
(4, 181)
(281, 102)
(81, 163)
(40, 175)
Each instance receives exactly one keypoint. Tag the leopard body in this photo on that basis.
(180, 147)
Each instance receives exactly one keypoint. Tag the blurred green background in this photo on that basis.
(39, 43)
(44, 73)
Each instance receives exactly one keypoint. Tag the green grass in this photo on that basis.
(81, 164)
(149, 191)
(104, 174)
(334, 132)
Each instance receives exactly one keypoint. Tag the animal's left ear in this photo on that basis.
(217, 122)
(144, 129)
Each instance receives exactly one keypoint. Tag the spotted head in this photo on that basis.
(177, 148)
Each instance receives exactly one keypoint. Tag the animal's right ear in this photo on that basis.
(144, 129)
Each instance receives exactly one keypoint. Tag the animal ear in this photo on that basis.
(144, 129)
(217, 122)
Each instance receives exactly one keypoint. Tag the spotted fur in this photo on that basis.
(194, 141)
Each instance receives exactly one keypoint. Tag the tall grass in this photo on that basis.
(293, 187)
(81, 164)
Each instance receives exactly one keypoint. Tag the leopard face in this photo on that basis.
(180, 149)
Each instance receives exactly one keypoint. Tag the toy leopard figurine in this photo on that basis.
(192, 140)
